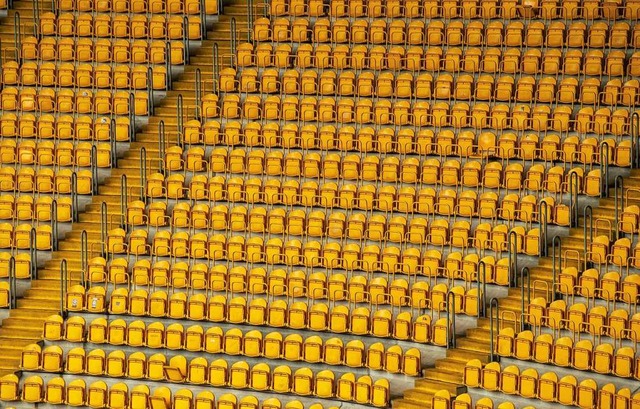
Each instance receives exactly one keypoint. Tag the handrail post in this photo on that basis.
(250, 20)
(168, 64)
(150, 89)
(513, 257)
(180, 117)
(233, 41)
(573, 199)
(143, 174)
(124, 200)
(635, 144)
(588, 222)
(492, 303)
(74, 196)
(216, 68)
(36, 13)
(13, 285)
(198, 92)
(557, 242)
(618, 202)
(524, 272)
(16, 31)
(186, 40)
(63, 285)
(84, 256)
(482, 288)
(451, 320)
(542, 226)
(33, 254)
(94, 169)
(203, 21)
(572, 204)
(162, 142)
(103, 227)
(604, 169)
(132, 117)
(112, 140)
(54, 225)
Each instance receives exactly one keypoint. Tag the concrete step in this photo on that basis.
(443, 375)
(38, 304)
(13, 344)
(464, 355)
(27, 322)
(419, 396)
(450, 365)
(42, 294)
(406, 403)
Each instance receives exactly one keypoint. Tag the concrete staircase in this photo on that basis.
(24, 323)
(476, 342)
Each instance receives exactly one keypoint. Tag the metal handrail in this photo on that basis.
(132, 117)
(482, 288)
(203, 20)
(124, 200)
(250, 19)
(168, 64)
(84, 256)
(13, 284)
(54, 226)
(513, 257)
(143, 174)
(36, 11)
(451, 315)
(63, 285)
(523, 272)
(180, 114)
(588, 219)
(635, 144)
(234, 40)
(150, 89)
(556, 242)
(162, 145)
(74, 196)
(103, 226)
(604, 169)
(198, 93)
(33, 253)
(542, 226)
(186, 39)
(216, 68)
(618, 202)
(16, 31)
(573, 199)
(494, 301)
(94, 169)
(112, 141)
